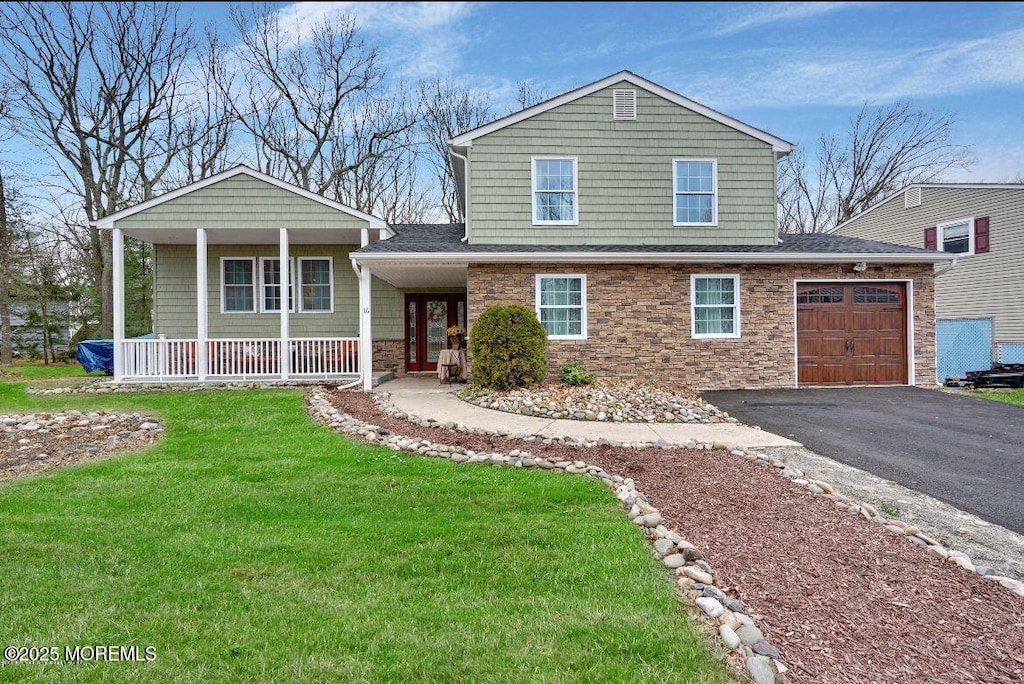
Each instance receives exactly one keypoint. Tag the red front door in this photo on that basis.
(427, 319)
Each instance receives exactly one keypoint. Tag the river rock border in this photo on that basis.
(145, 387)
(695, 577)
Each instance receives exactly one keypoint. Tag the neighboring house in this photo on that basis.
(978, 302)
(638, 224)
(27, 337)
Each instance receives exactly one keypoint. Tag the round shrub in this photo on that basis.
(508, 345)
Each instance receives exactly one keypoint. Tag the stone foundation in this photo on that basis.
(638, 319)
(389, 355)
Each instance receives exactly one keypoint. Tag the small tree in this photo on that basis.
(509, 348)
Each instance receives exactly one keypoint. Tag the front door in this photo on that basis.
(427, 319)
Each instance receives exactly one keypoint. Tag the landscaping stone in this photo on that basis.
(676, 560)
(621, 402)
(749, 634)
(711, 607)
(761, 671)
(729, 636)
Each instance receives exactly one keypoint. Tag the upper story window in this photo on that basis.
(554, 191)
(695, 182)
(957, 236)
(238, 285)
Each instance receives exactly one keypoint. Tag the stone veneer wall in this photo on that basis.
(389, 355)
(638, 319)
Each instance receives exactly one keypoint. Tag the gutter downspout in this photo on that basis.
(465, 193)
(949, 267)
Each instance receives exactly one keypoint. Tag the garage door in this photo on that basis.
(851, 334)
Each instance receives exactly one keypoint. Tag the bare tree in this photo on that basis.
(301, 92)
(884, 149)
(449, 110)
(6, 249)
(528, 94)
(97, 86)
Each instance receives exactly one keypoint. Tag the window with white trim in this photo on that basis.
(695, 192)
(316, 284)
(562, 305)
(957, 236)
(554, 191)
(715, 306)
(238, 285)
(270, 285)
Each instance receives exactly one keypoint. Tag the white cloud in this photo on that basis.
(419, 38)
(850, 76)
(776, 12)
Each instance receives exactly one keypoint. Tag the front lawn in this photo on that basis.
(1007, 396)
(252, 545)
(53, 370)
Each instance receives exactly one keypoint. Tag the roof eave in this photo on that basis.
(649, 258)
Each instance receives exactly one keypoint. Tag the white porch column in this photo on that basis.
(286, 354)
(202, 307)
(117, 255)
(365, 332)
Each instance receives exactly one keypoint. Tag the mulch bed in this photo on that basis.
(843, 599)
(61, 446)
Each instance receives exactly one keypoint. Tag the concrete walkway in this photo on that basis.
(425, 398)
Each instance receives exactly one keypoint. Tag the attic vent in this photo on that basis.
(912, 198)
(623, 105)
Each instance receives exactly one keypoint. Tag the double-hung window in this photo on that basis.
(695, 192)
(957, 236)
(316, 284)
(554, 191)
(562, 305)
(270, 285)
(238, 285)
(715, 306)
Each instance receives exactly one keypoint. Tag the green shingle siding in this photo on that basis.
(241, 202)
(625, 176)
(174, 301)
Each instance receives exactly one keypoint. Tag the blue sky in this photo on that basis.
(794, 69)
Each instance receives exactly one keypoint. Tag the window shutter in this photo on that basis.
(623, 105)
(929, 237)
(981, 235)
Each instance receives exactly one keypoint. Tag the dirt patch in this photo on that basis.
(843, 599)
(30, 443)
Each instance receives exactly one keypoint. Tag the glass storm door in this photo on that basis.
(427, 319)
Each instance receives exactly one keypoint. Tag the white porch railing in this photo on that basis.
(166, 359)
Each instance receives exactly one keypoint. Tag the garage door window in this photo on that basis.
(715, 306)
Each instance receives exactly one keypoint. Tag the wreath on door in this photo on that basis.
(437, 311)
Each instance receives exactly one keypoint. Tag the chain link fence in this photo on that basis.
(964, 344)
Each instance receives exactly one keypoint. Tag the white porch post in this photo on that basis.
(286, 355)
(365, 332)
(117, 256)
(202, 307)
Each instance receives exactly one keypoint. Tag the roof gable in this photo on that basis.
(941, 186)
(107, 222)
(778, 144)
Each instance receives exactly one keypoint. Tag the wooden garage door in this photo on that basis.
(851, 334)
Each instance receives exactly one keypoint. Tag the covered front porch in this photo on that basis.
(249, 355)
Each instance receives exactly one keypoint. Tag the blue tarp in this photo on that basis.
(98, 355)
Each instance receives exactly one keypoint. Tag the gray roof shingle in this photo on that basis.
(446, 238)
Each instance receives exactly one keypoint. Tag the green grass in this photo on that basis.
(252, 545)
(1007, 396)
(53, 370)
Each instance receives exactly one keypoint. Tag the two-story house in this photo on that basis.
(979, 303)
(638, 224)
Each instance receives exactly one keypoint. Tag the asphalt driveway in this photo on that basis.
(963, 450)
